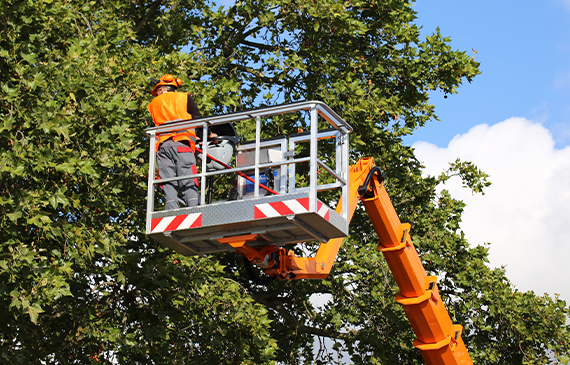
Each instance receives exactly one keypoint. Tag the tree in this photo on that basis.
(81, 283)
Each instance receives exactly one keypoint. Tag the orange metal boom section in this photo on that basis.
(438, 339)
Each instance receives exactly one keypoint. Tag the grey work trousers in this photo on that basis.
(177, 159)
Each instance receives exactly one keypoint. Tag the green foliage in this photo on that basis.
(79, 281)
(470, 175)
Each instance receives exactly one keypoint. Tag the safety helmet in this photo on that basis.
(165, 80)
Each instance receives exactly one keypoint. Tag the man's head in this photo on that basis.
(164, 84)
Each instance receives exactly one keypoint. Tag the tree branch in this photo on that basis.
(256, 73)
(258, 45)
(61, 339)
(404, 201)
(323, 333)
(150, 13)
(250, 32)
(278, 305)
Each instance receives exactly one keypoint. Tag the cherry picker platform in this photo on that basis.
(292, 214)
(257, 225)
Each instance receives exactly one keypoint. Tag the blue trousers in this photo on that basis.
(177, 159)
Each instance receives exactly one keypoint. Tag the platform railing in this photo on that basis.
(340, 131)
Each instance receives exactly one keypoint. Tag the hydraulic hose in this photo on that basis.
(238, 172)
(362, 189)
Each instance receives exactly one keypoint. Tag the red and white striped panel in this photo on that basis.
(288, 207)
(177, 222)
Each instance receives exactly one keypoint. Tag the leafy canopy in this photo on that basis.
(79, 281)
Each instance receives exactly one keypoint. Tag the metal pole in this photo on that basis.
(257, 147)
(283, 170)
(203, 168)
(150, 188)
(346, 168)
(313, 162)
(291, 167)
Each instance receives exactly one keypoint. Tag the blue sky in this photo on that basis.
(524, 50)
(513, 122)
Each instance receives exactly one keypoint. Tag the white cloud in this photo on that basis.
(525, 213)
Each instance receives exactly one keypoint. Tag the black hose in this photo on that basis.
(363, 189)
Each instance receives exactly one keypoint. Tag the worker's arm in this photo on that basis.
(192, 109)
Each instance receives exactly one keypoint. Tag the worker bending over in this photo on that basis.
(175, 150)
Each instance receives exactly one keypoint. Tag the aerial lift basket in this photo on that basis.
(274, 215)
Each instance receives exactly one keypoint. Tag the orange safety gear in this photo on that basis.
(165, 80)
(168, 107)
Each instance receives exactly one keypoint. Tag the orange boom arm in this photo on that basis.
(438, 339)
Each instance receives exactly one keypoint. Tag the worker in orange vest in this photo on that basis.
(175, 151)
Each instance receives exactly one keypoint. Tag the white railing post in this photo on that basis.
(151, 173)
(205, 134)
(345, 171)
(313, 168)
(257, 157)
(283, 169)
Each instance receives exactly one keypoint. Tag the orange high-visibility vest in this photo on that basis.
(168, 107)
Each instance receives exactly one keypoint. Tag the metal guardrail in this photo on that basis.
(340, 132)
